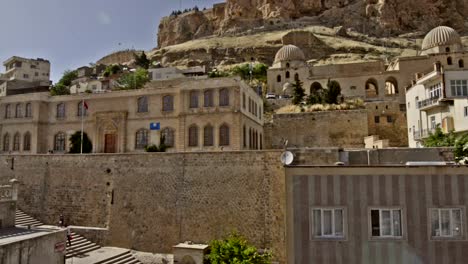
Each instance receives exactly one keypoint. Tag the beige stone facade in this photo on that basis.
(378, 83)
(194, 115)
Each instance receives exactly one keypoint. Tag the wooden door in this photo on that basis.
(110, 143)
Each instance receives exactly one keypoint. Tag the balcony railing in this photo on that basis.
(428, 102)
(422, 134)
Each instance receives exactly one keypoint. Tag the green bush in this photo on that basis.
(237, 250)
(298, 93)
(134, 80)
(62, 86)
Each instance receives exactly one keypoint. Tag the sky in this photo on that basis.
(74, 33)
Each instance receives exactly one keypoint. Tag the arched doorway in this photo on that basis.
(372, 88)
(391, 86)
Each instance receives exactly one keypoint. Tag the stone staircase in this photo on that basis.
(81, 247)
(25, 220)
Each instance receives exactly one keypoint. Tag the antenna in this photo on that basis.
(287, 158)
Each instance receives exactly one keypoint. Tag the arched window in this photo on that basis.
(59, 142)
(193, 136)
(27, 141)
(169, 138)
(287, 65)
(447, 49)
(449, 60)
(6, 142)
(461, 64)
(261, 141)
(61, 110)
(208, 136)
(81, 111)
(141, 138)
(287, 75)
(391, 86)
(7, 111)
(28, 112)
(193, 99)
(278, 78)
(224, 97)
(142, 104)
(18, 112)
(224, 135)
(208, 98)
(168, 103)
(16, 142)
(372, 88)
(315, 87)
(296, 77)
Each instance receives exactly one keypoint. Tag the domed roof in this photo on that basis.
(441, 36)
(289, 53)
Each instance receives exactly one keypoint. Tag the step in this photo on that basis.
(81, 246)
(78, 243)
(78, 252)
(118, 257)
(128, 260)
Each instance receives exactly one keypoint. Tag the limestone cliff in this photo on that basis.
(374, 17)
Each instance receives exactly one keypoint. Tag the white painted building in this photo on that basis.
(438, 98)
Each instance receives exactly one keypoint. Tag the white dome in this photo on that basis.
(289, 53)
(441, 36)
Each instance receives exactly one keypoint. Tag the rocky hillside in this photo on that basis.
(380, 18)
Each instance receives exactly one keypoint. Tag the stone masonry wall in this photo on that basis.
(317, 129)
(151, 202)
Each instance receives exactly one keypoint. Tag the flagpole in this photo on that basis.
(82, 121)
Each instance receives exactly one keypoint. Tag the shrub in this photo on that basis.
(75, 142)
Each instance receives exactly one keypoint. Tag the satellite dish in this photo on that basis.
(287, 158)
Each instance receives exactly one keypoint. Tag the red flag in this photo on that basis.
(85, 105)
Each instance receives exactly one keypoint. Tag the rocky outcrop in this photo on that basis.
(374, 17)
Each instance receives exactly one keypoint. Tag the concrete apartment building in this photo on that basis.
(24, 76)
(193, 115)
(439, 99)
(376, 214)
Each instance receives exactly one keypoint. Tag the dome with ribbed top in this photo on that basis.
(289, 53)
(441, 36)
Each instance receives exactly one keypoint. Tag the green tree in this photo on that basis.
(161, 148)
(75, 142)
(439, 139)
(111, 70)
(142, 61)
(59, 89)
(237, 250)
(332, 92)
(259, 71)
(298, 93)
(461, 149)
(62, 87)
(134, 80)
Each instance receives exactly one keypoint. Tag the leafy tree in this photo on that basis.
(298, 93)
(75, 142)
(62, 87)
(439, 139)
(111, 70)
(134, 80)
(461, 149)
(59, 89)
(142, 61)
(332, 93)
(259, 71)
(236, 249)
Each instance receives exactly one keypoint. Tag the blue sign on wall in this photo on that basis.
(155, 126)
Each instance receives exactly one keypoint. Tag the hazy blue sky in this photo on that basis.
(73, 33)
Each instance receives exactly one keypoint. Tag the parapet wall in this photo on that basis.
(151, 202)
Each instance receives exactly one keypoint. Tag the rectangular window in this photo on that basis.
(193, 99)
(459, 87)
(36, 74)
(26, 76)
(386, 223)
(389, 119)
(328, 222)
(433, 122)
(466, 111)
(243, 100)
(446, 223)
(377, 119)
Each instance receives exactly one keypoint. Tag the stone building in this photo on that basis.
(377, 82)
(192, 115)
(24, 75)
(438, 99)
